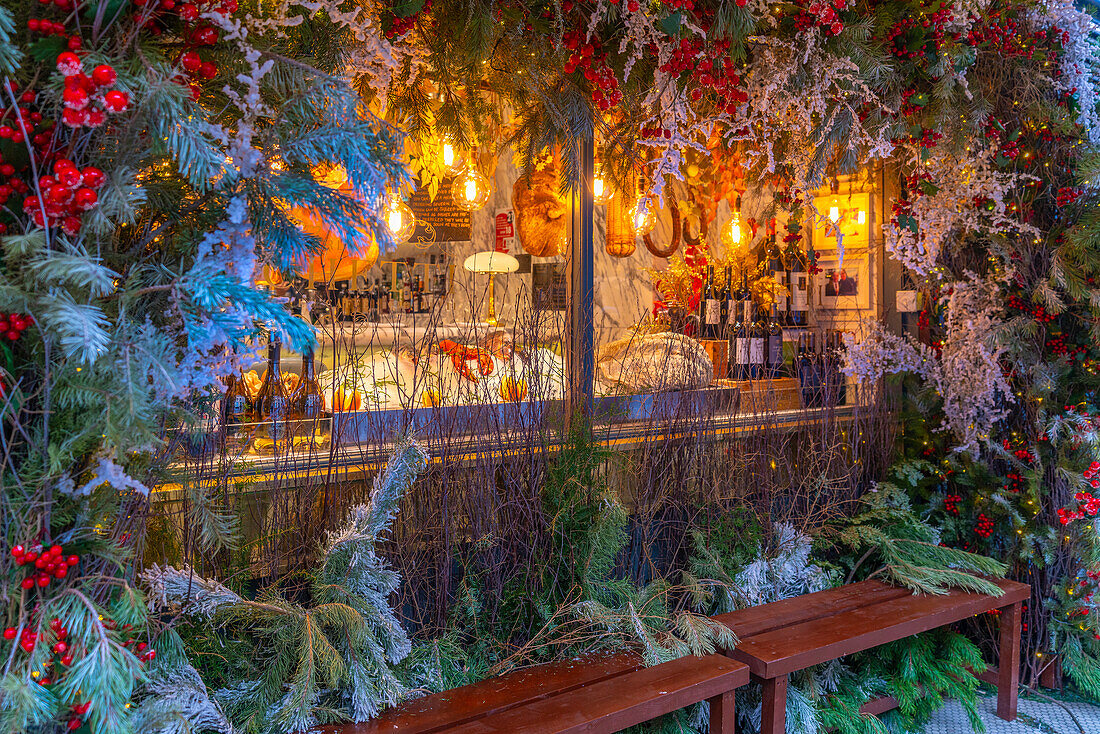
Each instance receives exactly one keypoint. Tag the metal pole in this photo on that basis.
(582, 290)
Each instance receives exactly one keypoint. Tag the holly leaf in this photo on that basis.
(670, 24)
(928, 188)
(405, 8)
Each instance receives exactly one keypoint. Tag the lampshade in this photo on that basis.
(491, 262)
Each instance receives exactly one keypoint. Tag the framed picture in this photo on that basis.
(844, 214)
(844, 286)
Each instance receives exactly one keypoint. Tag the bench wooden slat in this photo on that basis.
(818, 640)
(767, 617)
(440, 711)
(616, 703)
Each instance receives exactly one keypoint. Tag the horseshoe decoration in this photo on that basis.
(679, 230)
(674, 243)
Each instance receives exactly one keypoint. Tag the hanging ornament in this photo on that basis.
(733, 232)
(621, 239)
(400, 219)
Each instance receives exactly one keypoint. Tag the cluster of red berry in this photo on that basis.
(821, 13)
(12, 325)
(1069, 194)
(1014, 482)
(1087, 504)
(951, 503)
(688, 5)
(1022, 453)
(1057, 346)
(1008, 143)
(1009, 38)
(65, 196)
(49, 564)
(400, 26)
(86, 97)
(154, 15)
(50, 28)
(918, 36)
(984, 527)
(592, 61)
(1039, 313)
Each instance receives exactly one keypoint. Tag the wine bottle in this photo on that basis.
(799, 284)
(777, 272)
(729, 306)
(773, 358)
(236, 407)
(272, 408)
(805, 369)
(757, 343)
(712, 308)
(308, 400)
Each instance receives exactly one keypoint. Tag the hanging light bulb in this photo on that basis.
(645, 219)
(601, 190)
(470, 189)
(399, 219)
(452, 161)
(733, 233)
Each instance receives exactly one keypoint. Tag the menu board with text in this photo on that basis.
(440, 220)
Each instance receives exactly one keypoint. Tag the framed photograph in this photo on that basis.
(844, 214)
(844, 286)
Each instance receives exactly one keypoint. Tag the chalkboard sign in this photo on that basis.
(548, 284)
(440, 220)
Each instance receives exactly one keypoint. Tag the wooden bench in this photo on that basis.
(593, 695)
(790, 635)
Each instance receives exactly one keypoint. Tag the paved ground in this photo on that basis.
(1044, 716)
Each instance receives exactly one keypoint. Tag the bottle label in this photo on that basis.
(713, 313)
(731, 311)
(741, 349)
(800, 292)
(756, 350)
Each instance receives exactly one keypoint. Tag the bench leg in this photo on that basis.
(1008, 668)
(773, 715)
(723, 717)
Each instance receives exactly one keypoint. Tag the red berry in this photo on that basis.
(208, 70)
(31, 557)
(104, 75)
(44, 580)
(93, 177)
(27, 583)
(12, 336)
(61, 572)
(67, 659)
(70, 178)
(68, 63)
(75, 724)
(17, 550)
(85, 198)
(71, 225)
(190, 62)
(9, 633)
(72, 560)
(116, 101)
(55, 550)
(60, 648)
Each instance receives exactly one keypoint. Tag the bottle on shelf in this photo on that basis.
(798, 280)
(806, 370)
(739, 345)
(308, 401)
(777, 271)
(384, 305)
(711, 322)
(236, 407)
(758, 337)
(773, 352)
(836, 387)
(729, 306)
(272, 407)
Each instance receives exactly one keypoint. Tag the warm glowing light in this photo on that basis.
(400, 219)
(645, 220)
(861, 218)
(470, 189)
(601, 192)
(732, 232)
(834, 214)
(452, 161)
